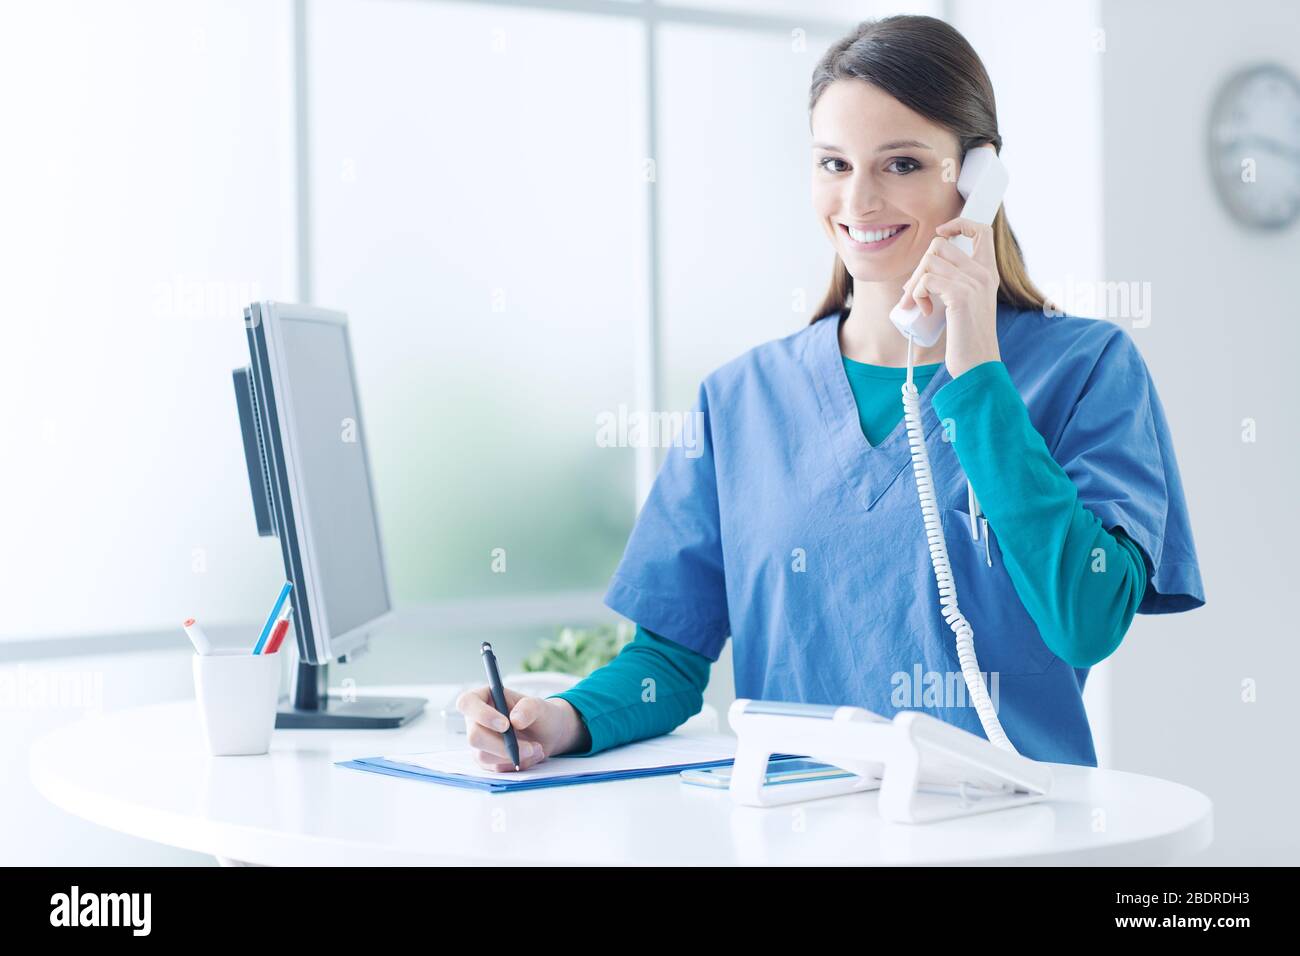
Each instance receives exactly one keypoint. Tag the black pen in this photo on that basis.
(499, 699)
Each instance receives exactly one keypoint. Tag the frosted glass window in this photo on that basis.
(478, 208)
(145, 195)
(744, 260)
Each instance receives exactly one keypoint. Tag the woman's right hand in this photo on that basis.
(544, 727)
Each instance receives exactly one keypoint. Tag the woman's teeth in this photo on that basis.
(872, 236)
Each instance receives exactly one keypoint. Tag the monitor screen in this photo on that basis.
(335, 510)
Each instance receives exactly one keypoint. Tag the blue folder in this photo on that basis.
(410, 772)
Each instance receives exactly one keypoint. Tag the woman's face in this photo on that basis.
(878, 166)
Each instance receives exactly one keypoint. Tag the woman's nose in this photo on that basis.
(863, 195)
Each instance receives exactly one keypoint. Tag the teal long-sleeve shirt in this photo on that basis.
(1049, 540)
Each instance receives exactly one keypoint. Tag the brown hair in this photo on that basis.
(928, 66)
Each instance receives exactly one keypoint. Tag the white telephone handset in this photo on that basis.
(982, 182)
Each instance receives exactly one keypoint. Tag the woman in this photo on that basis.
(798, 529)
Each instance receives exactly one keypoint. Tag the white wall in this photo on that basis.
(1221, 345)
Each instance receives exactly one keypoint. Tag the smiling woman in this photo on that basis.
(881, 197)
(795, 532)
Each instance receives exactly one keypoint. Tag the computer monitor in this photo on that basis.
(309, 472)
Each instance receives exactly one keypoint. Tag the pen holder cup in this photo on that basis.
(237, 694)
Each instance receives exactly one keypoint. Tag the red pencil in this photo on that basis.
(277, 636)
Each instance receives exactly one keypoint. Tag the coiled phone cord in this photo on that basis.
(942, 569)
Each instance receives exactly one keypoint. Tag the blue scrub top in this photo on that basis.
(785, 529)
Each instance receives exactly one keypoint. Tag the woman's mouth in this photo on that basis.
(871, 240)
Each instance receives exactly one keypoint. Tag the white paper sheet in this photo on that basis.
(670, 750)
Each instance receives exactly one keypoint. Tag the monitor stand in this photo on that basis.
(311, 706)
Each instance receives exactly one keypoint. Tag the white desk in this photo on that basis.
(144, 771)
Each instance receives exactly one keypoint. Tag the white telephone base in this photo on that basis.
(924, 768)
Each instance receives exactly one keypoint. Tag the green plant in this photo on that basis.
(580, 650)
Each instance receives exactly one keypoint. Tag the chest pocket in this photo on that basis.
(1006, 639)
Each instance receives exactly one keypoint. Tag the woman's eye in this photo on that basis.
(909, 165)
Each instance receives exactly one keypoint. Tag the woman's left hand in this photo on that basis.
(968, 287)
